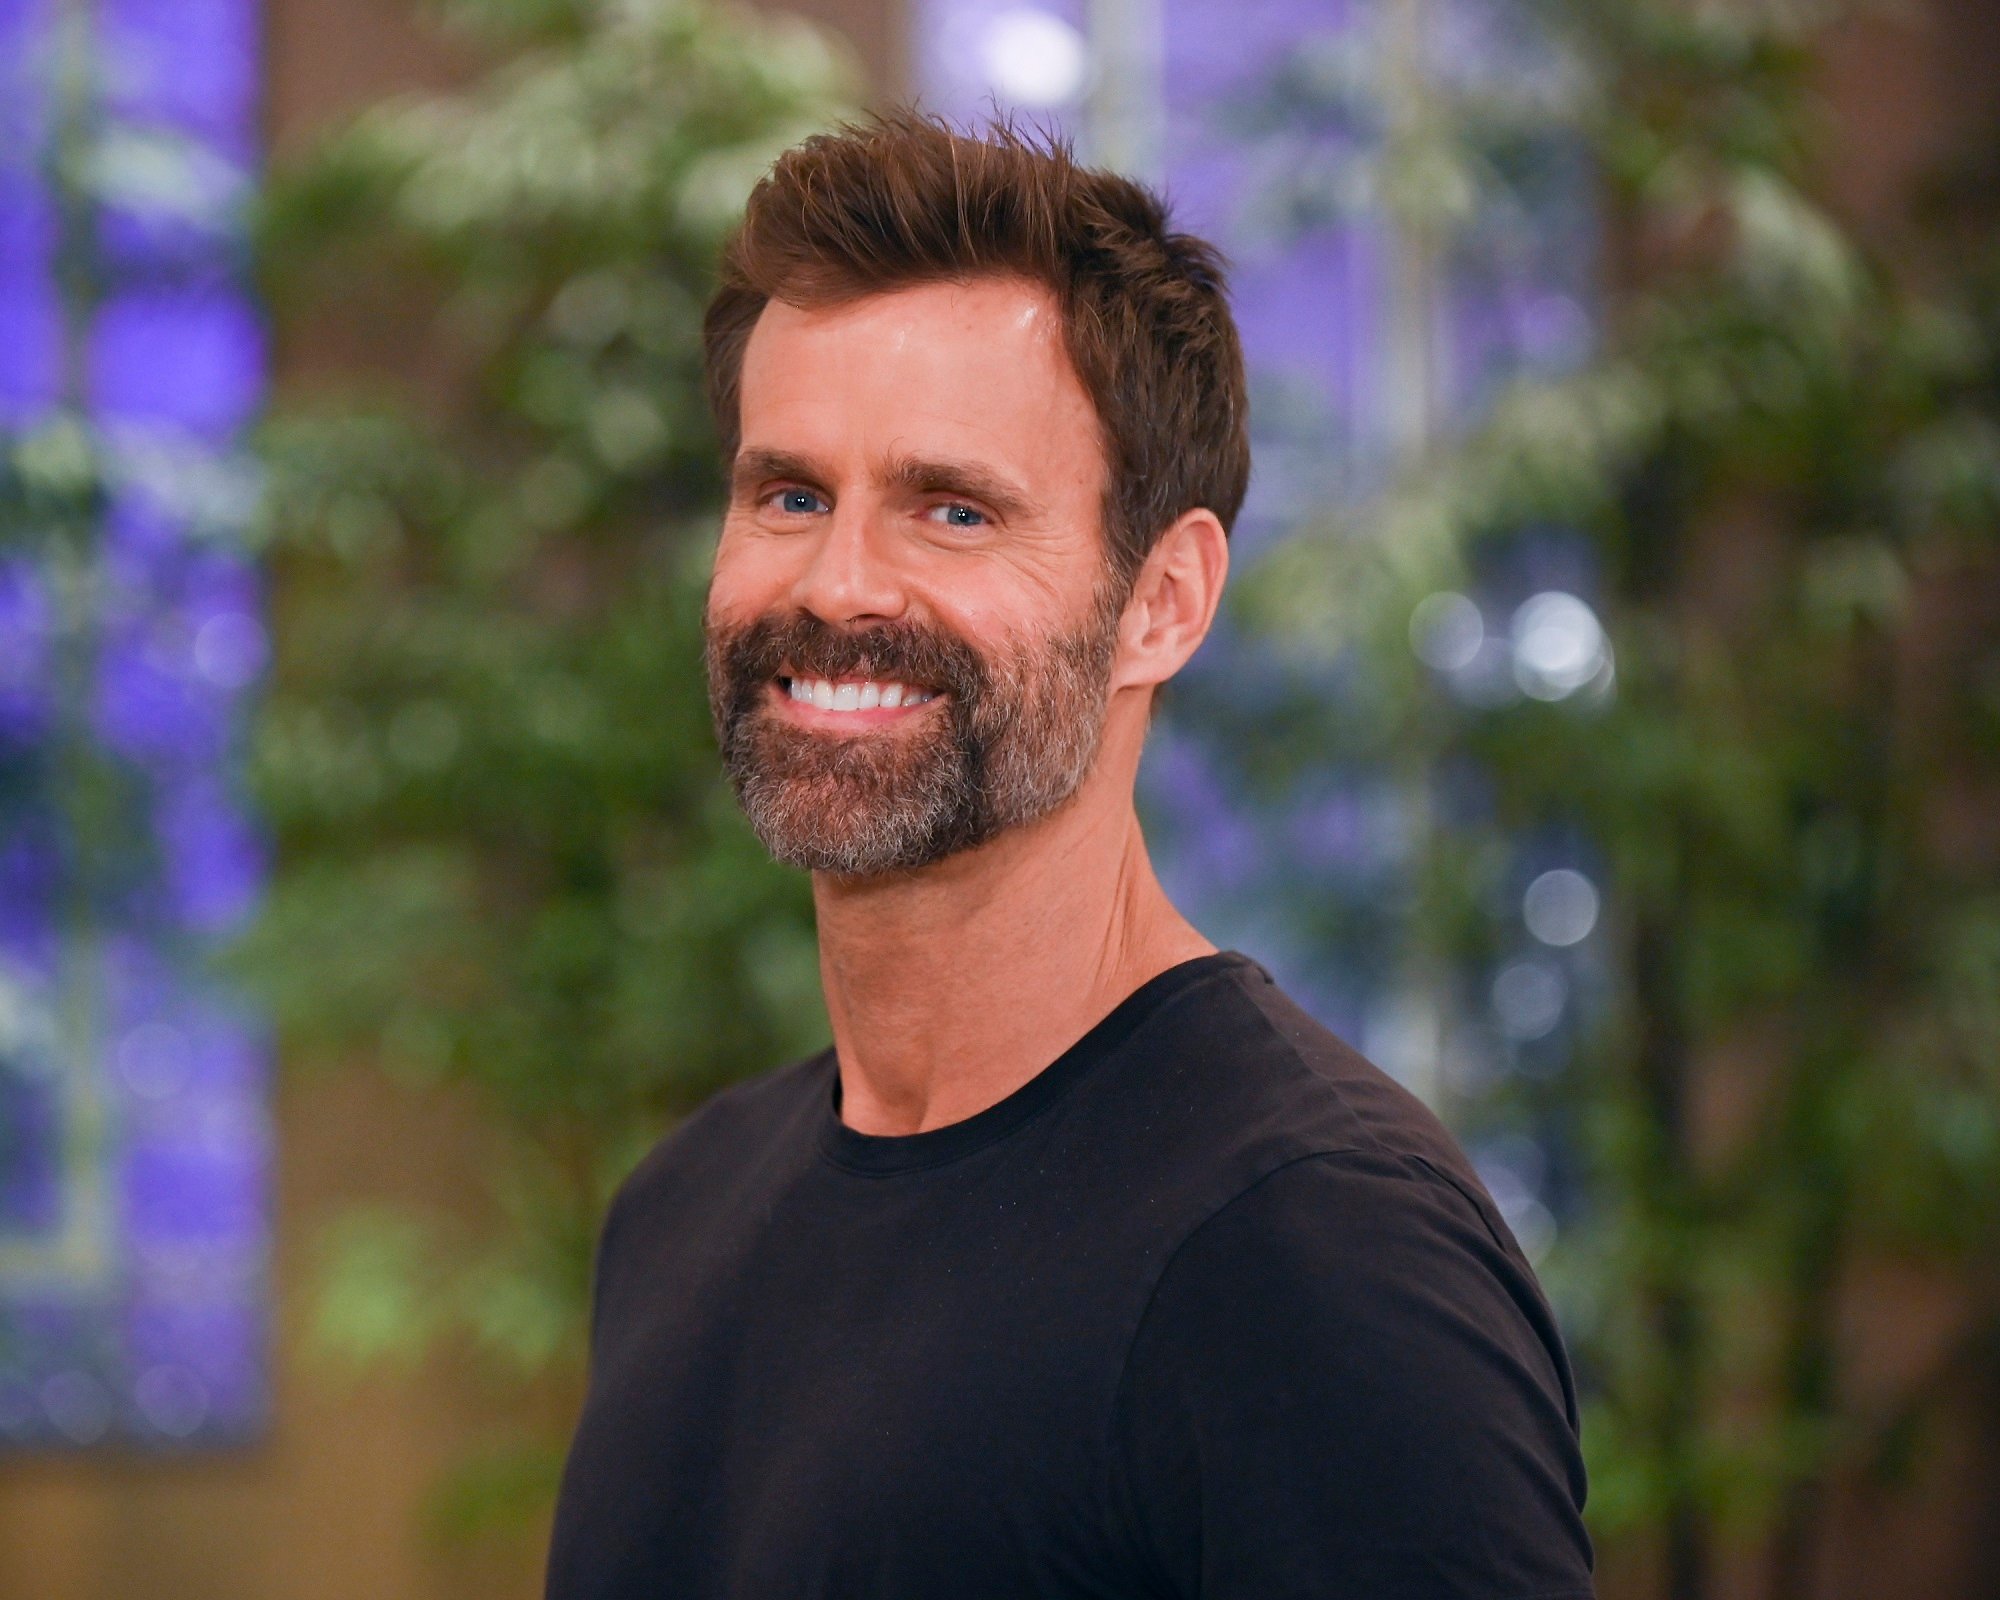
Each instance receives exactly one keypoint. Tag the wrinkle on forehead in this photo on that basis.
(902, 312)
(976, 352)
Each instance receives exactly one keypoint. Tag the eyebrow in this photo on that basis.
(756, 464)
(921, 476)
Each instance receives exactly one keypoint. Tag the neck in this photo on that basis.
(951, 987)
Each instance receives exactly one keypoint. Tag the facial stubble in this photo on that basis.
(1009, 739)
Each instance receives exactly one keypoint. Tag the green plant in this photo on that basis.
(505, 857)
(1783, 462)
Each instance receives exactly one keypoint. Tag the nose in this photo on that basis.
(850, 577)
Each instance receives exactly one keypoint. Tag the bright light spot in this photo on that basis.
(229, 649)
(1446, 631)
(153, 1060)
(1528, 997)
(1559, 645)
(173, 1399)
(1560, 907)
(1034, 59)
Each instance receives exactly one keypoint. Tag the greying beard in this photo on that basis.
(1012, 741)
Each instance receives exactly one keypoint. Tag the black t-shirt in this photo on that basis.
(1210, 1307)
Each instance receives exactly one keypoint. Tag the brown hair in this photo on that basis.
(902, 200)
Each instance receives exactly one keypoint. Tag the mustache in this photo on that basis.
(804, 646)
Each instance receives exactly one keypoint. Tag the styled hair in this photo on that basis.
(903, 200)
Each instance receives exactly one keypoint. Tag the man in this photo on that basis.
(1084, 1263)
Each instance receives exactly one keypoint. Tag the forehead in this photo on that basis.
(973, 369)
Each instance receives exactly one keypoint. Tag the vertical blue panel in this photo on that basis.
(28, 319)
(134, 1132)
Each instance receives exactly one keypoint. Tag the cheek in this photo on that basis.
(1016, 602)
(745, 581)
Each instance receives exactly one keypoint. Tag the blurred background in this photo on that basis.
(1603, 734)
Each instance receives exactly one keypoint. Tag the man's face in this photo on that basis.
(911, 624)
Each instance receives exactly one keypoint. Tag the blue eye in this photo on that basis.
(798, 502)
(958, 516)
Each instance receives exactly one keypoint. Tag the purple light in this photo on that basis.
(151, 707)
(219, 1345)
(190, 358)
(30, 1182)
(196, 1185)
(158, 1337)
(215, 860)
(28, 885)
(190, 64)
(25, 624)
(30, 352)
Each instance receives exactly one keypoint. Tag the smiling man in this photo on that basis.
(1083, 1263)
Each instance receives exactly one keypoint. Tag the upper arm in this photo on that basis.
(1346, 1385)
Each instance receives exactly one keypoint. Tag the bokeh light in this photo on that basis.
(1035, 60)
(1560, 907)
(1559, 646)
(1446, 631)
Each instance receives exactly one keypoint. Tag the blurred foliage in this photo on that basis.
(1782, 466)
(507, 862)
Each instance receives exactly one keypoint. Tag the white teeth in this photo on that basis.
(865, 696)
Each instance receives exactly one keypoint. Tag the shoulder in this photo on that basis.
(1360, 1254)
(1235, 1081)
(1312, 1191)
(1350, 1367)
(732, 1137)
(1352, 1103)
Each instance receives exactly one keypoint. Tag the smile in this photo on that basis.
(855, 694)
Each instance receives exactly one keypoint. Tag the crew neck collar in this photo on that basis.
(882, 1155)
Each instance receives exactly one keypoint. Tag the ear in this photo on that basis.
(1173, 601)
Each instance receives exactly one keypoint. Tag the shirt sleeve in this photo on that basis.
(1347, 1383)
